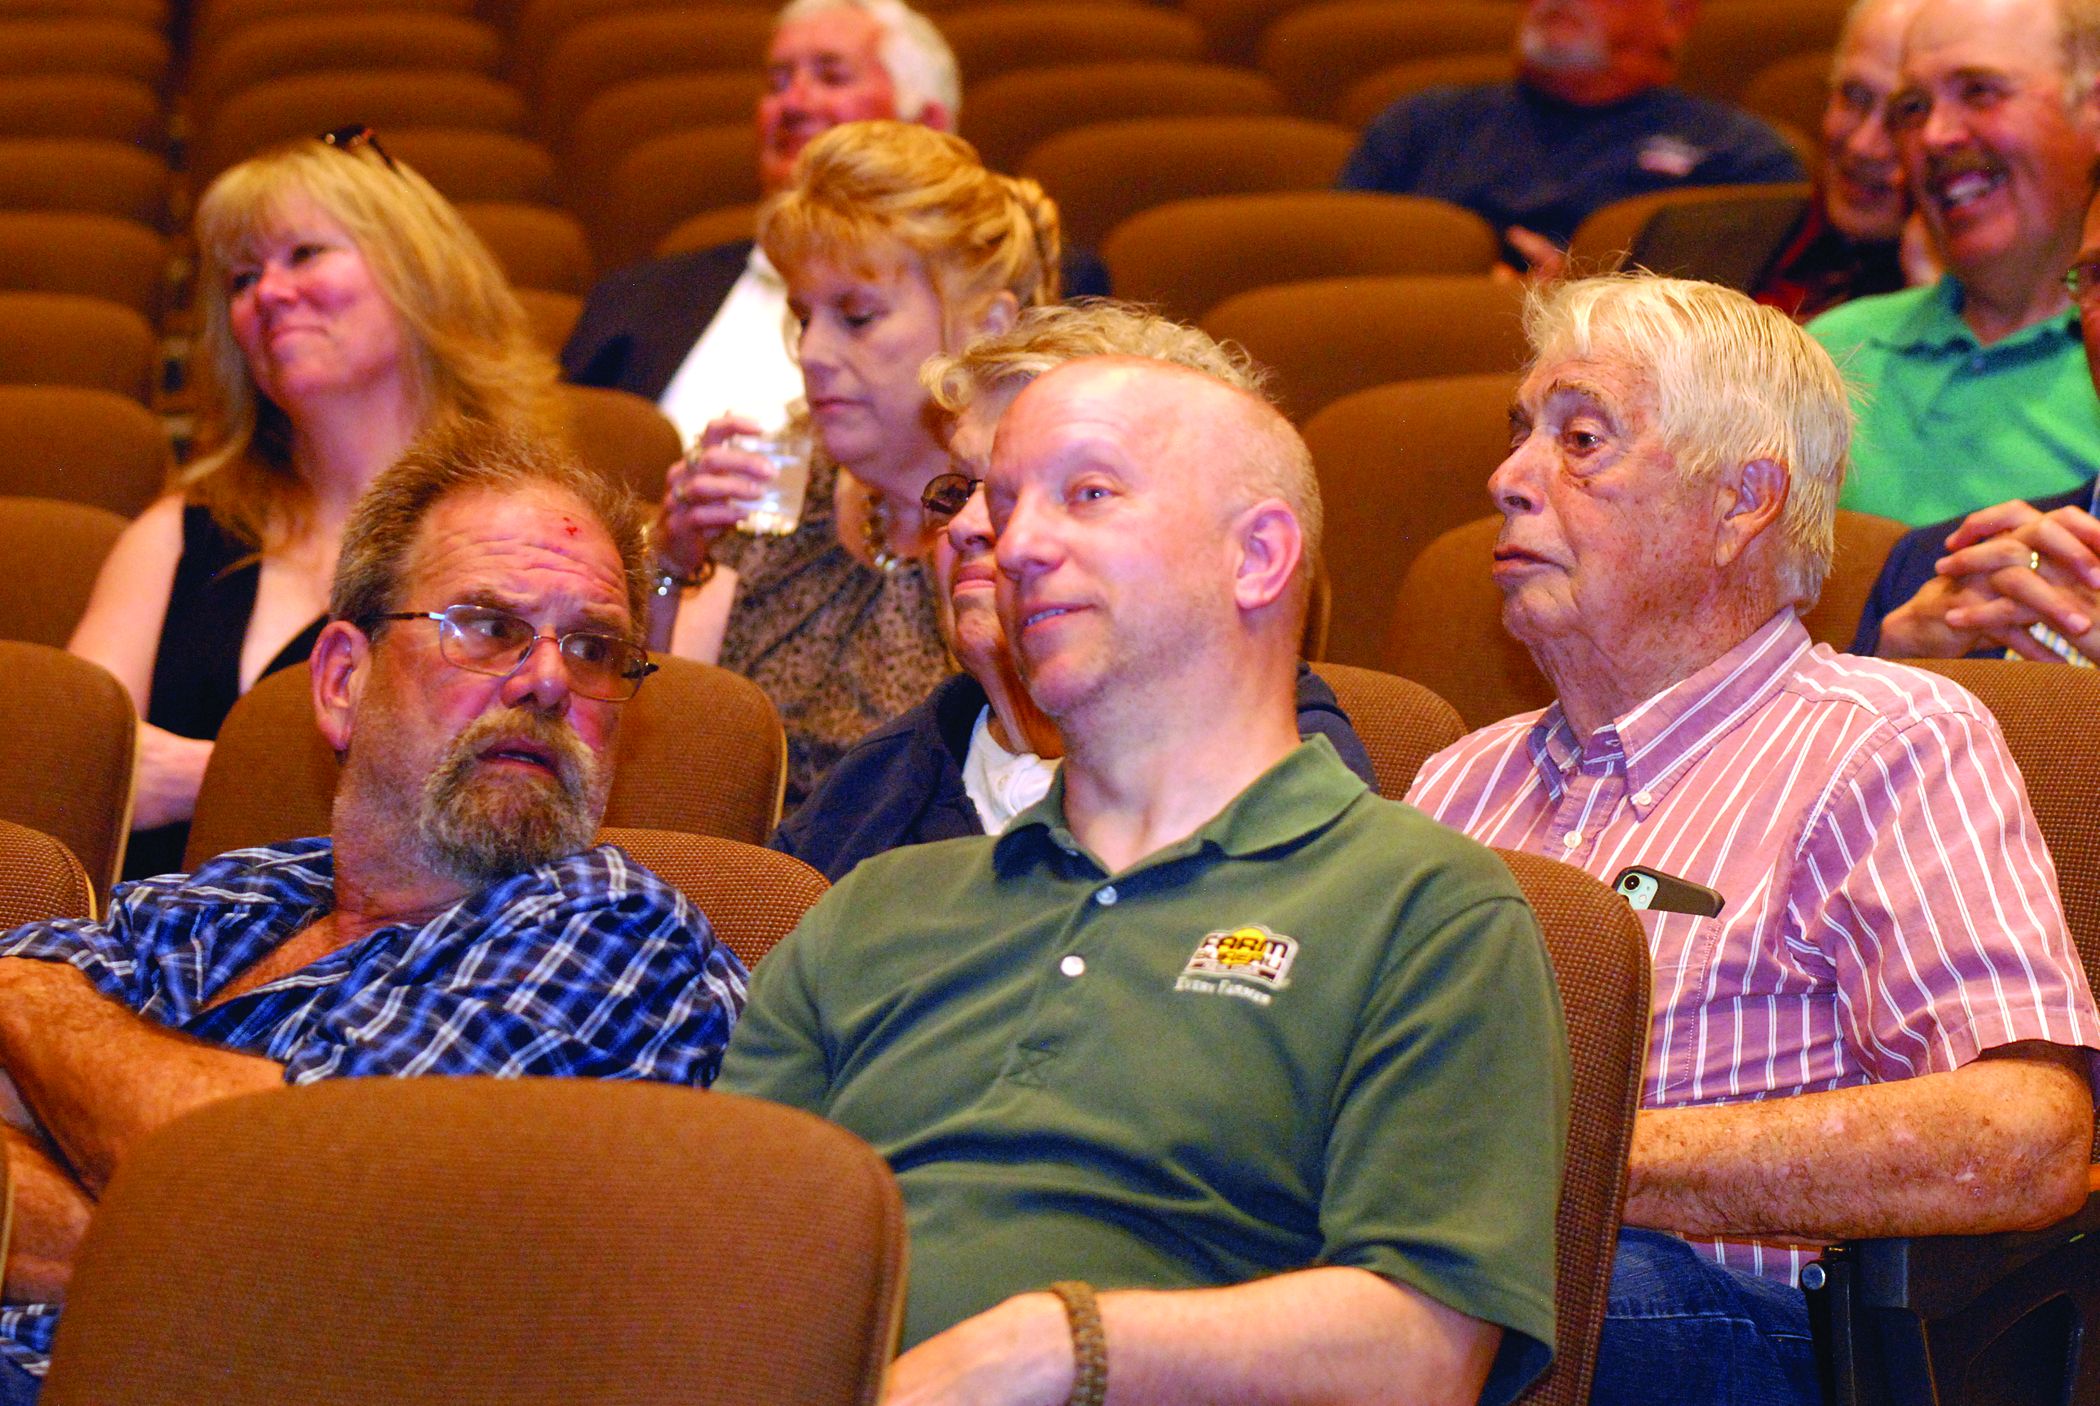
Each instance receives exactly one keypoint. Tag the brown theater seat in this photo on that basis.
(216, 19)
(467, 164)
(98, 256)
(1318, 53)
(72, 738)
(1400, 723)
(83, 44)
(1188, 256)
(623, 437)
(1335, 336)
(390, 100)
(710, 228)
(1733, 39)
(993, 39)
(435, 1241)
(601, 54)
(1102, 174)
(553, 316)
(1369, 97)
(39, 880)
(83, 446)
(1006, 117)
(86, 174)
(54, 551)
(752, 896)
(92, 105)
(621, 118)
(1447, 630)
(666, 181)
(351, 39)
(538, 246)
(64, 339)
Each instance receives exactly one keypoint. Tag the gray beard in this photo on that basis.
(480, 828)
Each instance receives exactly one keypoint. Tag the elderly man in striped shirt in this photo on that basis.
(1883, 1028)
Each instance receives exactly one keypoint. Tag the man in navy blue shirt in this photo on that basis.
(480, 646)
(1589, 120)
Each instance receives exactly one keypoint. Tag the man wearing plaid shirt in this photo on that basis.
(456, 923)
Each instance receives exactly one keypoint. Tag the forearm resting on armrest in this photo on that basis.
(50, 1215)
(2002, 1143)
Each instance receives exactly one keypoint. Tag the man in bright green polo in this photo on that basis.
(1274, 1064)
(1974, 390)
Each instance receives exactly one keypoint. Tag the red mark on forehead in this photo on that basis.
(569, 527)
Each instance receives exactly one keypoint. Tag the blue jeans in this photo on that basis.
(1684, 1330)
(17, 1387)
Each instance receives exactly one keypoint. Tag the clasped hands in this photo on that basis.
(2007, 567)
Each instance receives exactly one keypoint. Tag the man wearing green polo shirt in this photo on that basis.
(1275, 1064)
(1974, 389)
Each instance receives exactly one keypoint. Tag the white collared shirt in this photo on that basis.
(1002, 784)
(741, 363)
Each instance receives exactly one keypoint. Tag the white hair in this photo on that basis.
(920, 64)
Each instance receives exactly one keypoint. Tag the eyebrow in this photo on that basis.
(603, 619)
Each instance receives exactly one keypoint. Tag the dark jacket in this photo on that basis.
(902, 784)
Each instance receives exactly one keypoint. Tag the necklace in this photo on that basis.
(875, 526)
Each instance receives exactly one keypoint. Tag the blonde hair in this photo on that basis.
(1044, 337)
(866, 190)
(1733, 382)
(472, 352)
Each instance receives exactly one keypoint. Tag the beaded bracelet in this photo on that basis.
(1089, 1342)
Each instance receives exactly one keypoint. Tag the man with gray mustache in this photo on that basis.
(480, 647)
(1974, 390)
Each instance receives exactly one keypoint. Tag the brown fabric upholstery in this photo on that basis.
(1008, 116)
(1191, 255)
(92, 175)
(1401, 723)
(83, 44)
(468, 164)
(667, 180)
(1600, 959)
(752, 896)
(553, 316)
(622, 436)
(82, 105)
(710, 228)
(537, 245)
(542, 24)
(65, 339)
(603, 53)
(97, 256)
(1601, 241)
(1399, 465)
(537, 1242)
(700, 751)
(148, 14)
(1863, 543)
(84, 446)
(1232, 29)
(215, 19)
(340, 39)
(39, 879)
(392, 100)
(1103, 174)
(72, 738)
(993, 39)
(1329, 337)
(621, 118)
(1734, 37)
(1368, 97)
(1318, 53)
(1793, 90)
(1447, 631)
(53, 551)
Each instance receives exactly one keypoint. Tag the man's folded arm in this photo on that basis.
(1331, 1335)
(100, 1078)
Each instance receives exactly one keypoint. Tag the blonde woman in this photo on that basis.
(346, 307)
(896, 244)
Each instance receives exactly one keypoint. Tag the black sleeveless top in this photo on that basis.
(197, 670)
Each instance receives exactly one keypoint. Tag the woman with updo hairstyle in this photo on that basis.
(896, 244)
(345, 309)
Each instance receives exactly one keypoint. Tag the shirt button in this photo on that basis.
(1107, 895)
(1073, 965)
(1642, 798)
(1571, 840)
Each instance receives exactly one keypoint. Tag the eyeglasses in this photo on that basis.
(947, 495)
(484, 640)
(349, 139)
(2083, 280)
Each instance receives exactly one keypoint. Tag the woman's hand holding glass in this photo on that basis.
(708, 492)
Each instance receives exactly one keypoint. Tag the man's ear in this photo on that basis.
(1753, 497)
(995, 314)
(1272, 551)
(337, 669)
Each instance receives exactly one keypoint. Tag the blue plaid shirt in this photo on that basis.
(589, 966)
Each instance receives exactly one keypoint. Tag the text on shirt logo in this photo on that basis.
(1248, 962)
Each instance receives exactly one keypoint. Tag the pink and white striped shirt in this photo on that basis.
(1889, 908)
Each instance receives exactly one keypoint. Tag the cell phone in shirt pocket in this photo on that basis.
(1653, 891)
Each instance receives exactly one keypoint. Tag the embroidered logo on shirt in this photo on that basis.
(1247, 962)
(1668, 156)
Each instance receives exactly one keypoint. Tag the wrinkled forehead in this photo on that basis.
(1595, 370)
(1949, 37)
(526, 547)
(842, 35)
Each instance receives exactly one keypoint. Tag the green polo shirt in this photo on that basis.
(1320, 1031)
(1947, 425)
